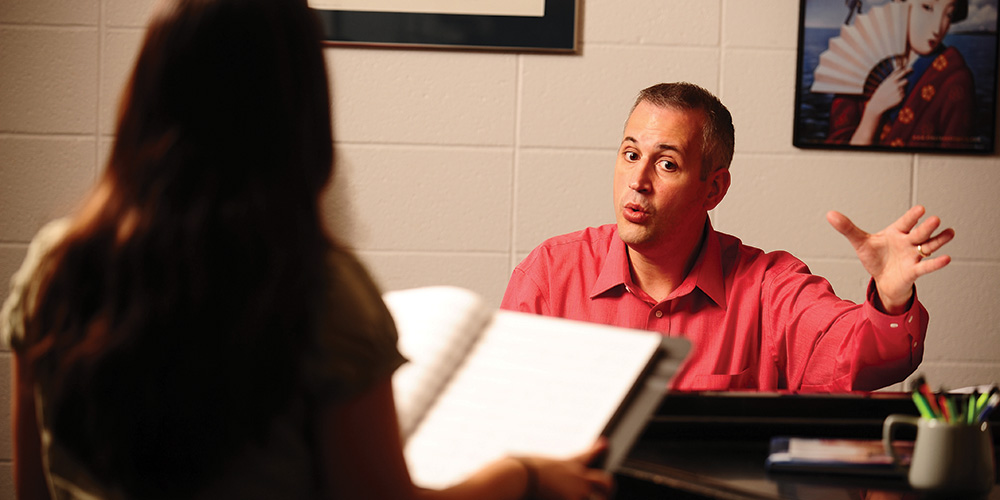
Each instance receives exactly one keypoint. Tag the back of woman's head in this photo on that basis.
(170, 321)
(237, 85)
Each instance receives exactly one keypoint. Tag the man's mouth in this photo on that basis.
(635, 213)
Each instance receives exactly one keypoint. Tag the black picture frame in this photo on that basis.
(555, 31)
(824, 118)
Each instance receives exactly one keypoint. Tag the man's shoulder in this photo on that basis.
(591, 236)
(590, 244)
(735, 252)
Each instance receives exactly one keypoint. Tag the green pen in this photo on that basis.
(923, 407)
(981, 400)
(952, 410)
(984, 398)
(970, 409)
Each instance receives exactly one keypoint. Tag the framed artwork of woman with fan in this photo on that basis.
(912, 75)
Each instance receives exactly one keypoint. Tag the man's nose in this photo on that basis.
(640, 178)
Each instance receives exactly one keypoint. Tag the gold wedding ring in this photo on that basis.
(920, 250)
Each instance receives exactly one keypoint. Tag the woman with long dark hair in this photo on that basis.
(192, 331)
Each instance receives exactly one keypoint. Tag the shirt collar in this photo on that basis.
(706, 274)
(615, 272)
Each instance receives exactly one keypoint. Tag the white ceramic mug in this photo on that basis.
(953, 458)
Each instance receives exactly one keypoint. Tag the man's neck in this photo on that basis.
(659, 274)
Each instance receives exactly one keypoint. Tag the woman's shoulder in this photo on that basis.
(46, 239)
(356, 341)
(347, 276)
(15, 307)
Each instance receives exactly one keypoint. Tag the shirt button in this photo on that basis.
(659, 314)
(909, 319)
(893, 325)
(914, 343)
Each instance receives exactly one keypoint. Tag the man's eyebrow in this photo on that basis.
(659, 147)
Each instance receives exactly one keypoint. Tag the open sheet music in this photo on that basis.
(482, 384)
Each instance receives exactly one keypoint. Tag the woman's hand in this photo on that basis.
(887, 95)
(570, 479)
(890, 92)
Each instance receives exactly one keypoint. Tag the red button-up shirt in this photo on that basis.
(757, 321)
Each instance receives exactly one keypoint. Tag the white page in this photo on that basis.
(437, 326)
(532, 385)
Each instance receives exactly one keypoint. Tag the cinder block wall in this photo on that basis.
(452, 165)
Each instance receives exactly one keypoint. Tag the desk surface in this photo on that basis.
(715, 445)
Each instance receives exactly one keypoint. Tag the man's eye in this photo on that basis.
(631, 155)
(667, 165)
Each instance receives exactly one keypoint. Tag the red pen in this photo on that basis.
(943, 403)
(931, 400)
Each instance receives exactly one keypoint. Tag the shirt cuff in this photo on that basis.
(908, 321)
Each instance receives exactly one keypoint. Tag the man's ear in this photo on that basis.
(718, 186)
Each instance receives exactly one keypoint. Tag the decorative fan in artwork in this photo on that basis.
(865, 52)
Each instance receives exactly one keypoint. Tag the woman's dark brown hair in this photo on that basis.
(170, 321)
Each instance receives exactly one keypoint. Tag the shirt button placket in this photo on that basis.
(656, 319)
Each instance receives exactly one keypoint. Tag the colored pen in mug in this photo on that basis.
(988, 408)
(970, 407)
(924, 390)
(922, 406)
(947, 405)
(984, 397)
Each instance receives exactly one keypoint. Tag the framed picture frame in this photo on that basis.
(894, 75)
(504, 25)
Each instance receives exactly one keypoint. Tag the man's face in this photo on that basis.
(929, 23)
(658, 191)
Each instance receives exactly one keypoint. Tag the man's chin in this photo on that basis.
(634, 235)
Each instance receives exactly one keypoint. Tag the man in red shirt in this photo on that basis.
(757, 321)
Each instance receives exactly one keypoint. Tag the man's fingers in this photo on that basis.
(905, 223)
(945, 236)
(925, 230)
(844, 226)
(932, 244)
(928, 266)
